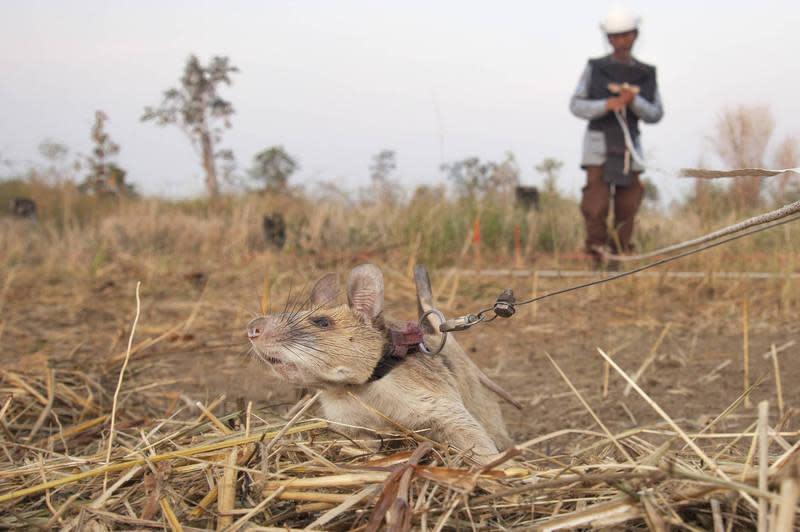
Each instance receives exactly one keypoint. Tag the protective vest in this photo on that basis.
(606, 70)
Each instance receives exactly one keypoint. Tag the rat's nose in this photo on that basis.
(256, 328)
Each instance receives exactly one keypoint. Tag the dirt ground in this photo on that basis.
(190, 342)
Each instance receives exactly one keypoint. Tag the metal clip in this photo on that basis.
(504, 305)
(461, 323)
(422, 319)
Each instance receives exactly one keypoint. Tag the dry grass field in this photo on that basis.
(204, 439)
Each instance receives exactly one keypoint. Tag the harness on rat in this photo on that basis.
(403, 341)
(400, 342)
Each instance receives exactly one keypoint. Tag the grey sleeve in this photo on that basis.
(580, 104)
(650, 113)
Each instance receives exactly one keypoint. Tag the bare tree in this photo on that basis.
(741, 137)
(198, 109)
(105, 176)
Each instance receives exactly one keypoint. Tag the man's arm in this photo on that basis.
(650, 113)
(580, 104)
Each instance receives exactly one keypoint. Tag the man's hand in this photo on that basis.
(615, 103)
(627, 95)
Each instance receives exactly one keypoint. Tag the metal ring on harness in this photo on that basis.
(422, 346)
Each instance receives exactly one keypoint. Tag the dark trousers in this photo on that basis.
(595, 206)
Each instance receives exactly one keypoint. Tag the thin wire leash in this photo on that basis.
(505, 305)
(777, 214)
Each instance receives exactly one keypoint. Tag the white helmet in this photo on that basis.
(619, 20)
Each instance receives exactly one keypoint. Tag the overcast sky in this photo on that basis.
(335, 82)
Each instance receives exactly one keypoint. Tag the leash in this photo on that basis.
(771, 216)
(505, 304)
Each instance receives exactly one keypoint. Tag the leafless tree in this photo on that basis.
(198, 109)
(105, 176)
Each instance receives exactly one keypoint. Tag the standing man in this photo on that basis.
(612, 89)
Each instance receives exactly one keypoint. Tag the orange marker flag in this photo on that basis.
(476, 231)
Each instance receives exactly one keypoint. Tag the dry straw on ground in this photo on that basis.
(208, 472)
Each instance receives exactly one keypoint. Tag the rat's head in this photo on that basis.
(327, 344)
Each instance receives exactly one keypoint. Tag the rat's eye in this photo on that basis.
(322, 322)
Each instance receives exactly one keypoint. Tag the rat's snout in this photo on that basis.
(256, 328)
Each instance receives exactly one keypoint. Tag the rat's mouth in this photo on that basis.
(274, 359)
(268, 355)
(269, 358)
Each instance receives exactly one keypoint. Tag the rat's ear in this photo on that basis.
(365, 292)
(325, 290)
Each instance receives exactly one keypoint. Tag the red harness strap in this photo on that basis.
(405, 340)
(400, 342)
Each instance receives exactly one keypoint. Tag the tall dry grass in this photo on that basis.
(80, 233)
